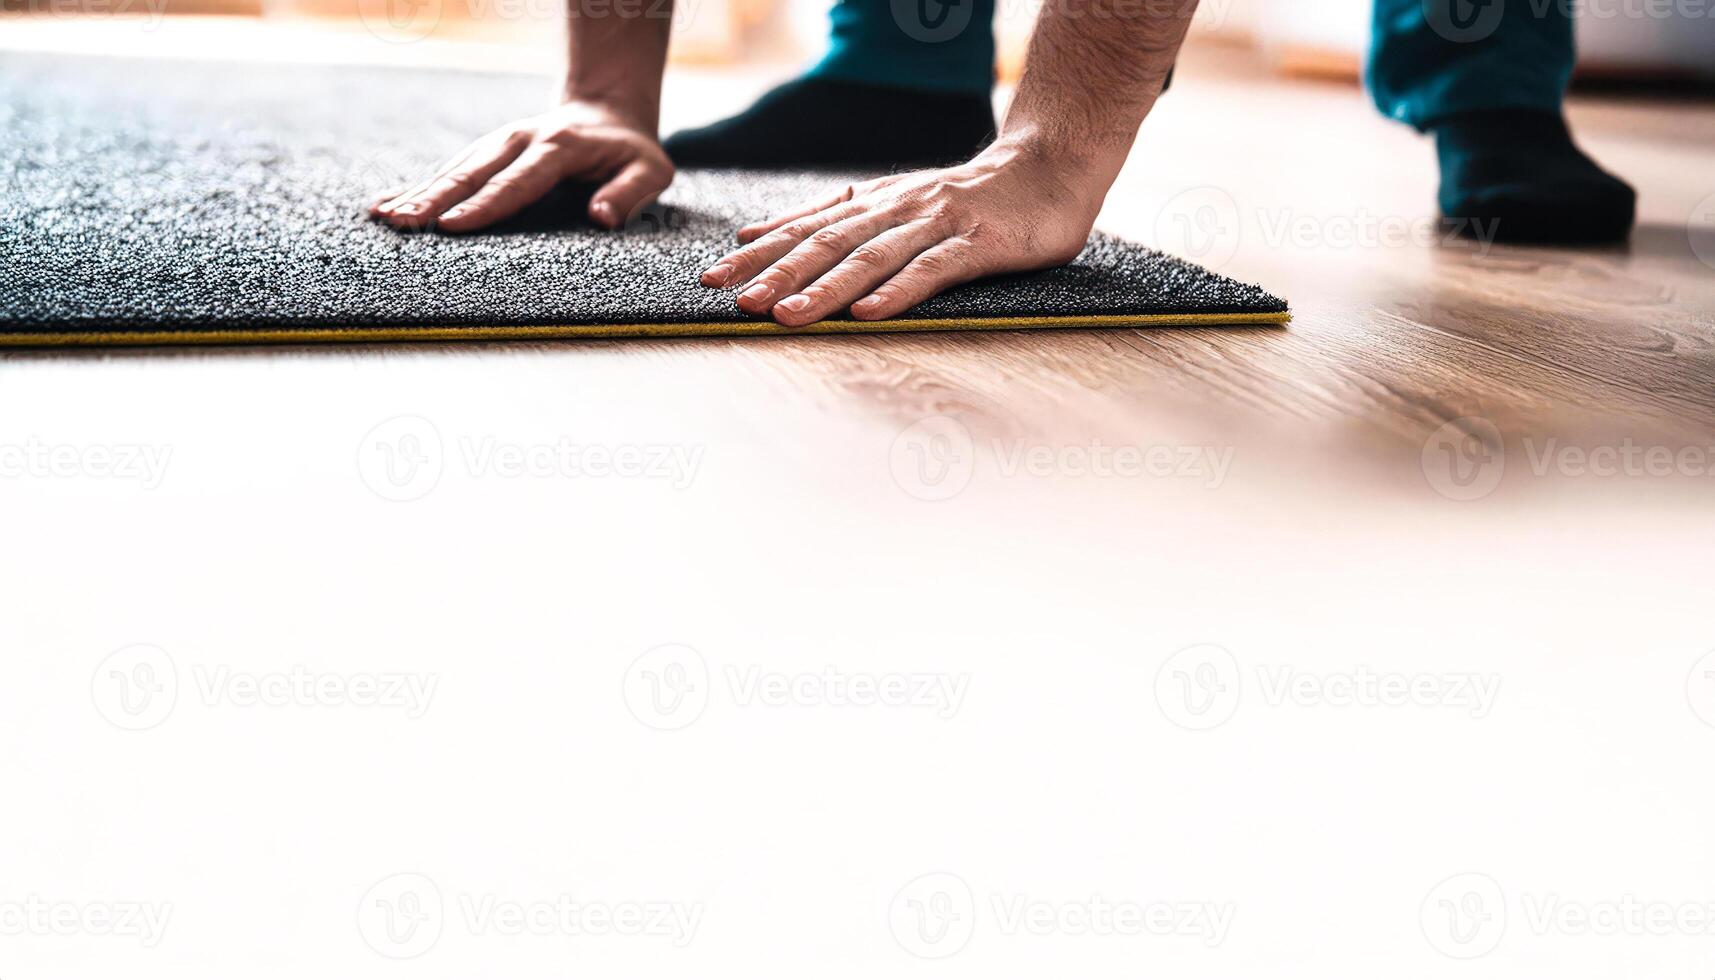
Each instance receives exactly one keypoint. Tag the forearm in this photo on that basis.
(1093, 72)
(616, 52)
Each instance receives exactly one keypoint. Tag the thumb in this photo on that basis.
(637, 183)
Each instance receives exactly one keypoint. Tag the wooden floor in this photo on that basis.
(1301, 187)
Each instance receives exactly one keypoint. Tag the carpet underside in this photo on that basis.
(164, 202)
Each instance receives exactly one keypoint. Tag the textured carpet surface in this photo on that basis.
(142, 195)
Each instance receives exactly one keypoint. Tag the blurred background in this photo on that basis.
(1620, 40)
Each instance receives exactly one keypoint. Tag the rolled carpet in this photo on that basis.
(146, 201)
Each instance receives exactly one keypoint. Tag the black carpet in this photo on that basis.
(142, 196)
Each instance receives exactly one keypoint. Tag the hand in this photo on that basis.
(514, 166)
(884, 246)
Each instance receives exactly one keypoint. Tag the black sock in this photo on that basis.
(1518, 174)
(824, 122)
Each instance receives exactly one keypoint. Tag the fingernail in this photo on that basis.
(603, 212)
(758, 293)
(455, 212)
(409, 207)
(795, 304)
(718, 275)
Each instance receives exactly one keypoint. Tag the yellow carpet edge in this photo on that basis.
(756, 328)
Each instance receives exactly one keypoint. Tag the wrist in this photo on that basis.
(1082, 171)
(599, 107)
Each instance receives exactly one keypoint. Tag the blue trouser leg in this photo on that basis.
(938, 45)
(1433, 58)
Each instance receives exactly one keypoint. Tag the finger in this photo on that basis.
(636, 184)
(385, 196)
(455, 183)
(521, 184)
(868, 266)
(756, 229)
(813, 257)
(402, 193)
(742, 265)
(948, 264)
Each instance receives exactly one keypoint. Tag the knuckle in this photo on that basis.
(933, 263)
(824, 240)
(459, 180)
(868, 254)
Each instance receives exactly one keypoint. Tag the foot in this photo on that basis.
(823, 122)
(1518, 176)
